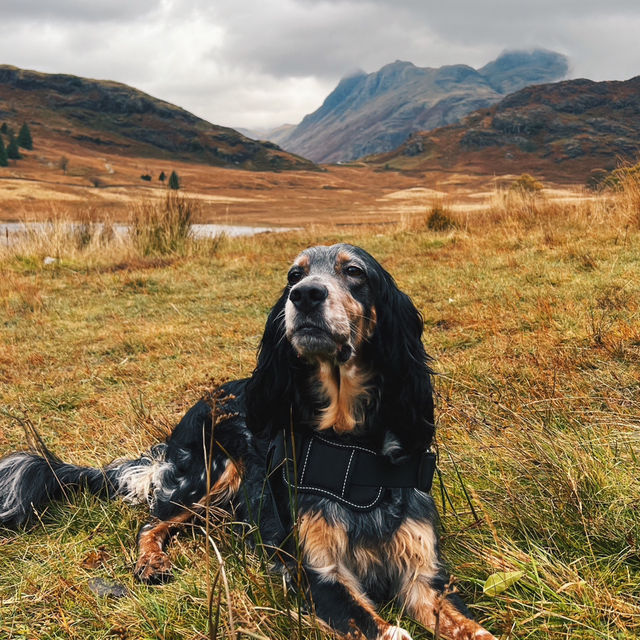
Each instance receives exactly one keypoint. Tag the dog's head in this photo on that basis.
(330, 308)
(341, 307)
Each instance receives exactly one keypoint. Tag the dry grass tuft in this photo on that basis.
(163, 227)
(440, 219)
(628, 198)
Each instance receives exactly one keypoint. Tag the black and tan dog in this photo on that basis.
(328, 438)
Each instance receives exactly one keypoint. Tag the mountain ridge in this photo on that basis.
(564, 129)
(370, 113)
(101, 114)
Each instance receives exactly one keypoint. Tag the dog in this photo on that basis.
(327, 442)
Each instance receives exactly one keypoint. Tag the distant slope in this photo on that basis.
(564, 130)
(274, 134)
(370, 113)
(111, 116)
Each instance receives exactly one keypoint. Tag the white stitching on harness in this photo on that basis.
(306, 459)
(346, 475)
(345, 446)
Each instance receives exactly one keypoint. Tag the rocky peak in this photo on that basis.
(374, 112)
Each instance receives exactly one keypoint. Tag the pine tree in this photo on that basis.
(4, 128)
(24, 137)
(4, 161)
(174, 181)
(63, 163)
(12, 149)
(162, 177)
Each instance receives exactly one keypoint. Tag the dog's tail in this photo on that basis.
(29, 481)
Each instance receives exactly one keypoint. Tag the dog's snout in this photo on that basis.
(306, 297)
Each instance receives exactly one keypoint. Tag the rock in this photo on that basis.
(107, 588)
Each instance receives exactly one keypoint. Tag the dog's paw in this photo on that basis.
(153, 568)
(394, 633)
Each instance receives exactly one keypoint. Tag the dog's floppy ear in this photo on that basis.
(270, 387)
(407, 401)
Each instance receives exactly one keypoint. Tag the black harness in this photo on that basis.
(350, 474)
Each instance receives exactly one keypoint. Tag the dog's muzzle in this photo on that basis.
(315, 325)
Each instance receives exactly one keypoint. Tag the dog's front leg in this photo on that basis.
(424, 588)
(347, 611)
(424, 593)
(443, 613)
(336, 595)
(153, 564)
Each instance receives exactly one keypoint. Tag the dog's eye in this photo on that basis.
(353, 272)
(295, 276)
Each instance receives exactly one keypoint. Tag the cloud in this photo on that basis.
(259, 63)
(78, 11)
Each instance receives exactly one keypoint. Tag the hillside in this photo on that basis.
(110, 117)
(561, 131)
(376, 112)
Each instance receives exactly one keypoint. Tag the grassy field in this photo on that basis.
(532, 312)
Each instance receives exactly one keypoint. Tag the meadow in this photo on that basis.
(532, 315)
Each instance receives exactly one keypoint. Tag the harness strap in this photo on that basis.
(350, 474)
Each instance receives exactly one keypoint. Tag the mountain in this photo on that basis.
(560, 130)
(375, 112)
(514, 70)
(104, 115)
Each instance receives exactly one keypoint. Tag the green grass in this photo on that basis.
(536, 333)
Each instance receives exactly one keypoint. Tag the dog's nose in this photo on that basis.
(306, 297)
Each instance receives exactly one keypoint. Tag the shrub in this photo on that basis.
(13, 151)
(24, 137)
(4, 161)
(174, 181)
(95, 181)
(596, 180)
(526, 184)
(439, 219)
(162, 227)
(619, 179)
(146, 177)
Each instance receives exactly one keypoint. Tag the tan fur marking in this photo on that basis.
(226, 486)
(342, 258)
(365, 559)
(323, 544)
(355, 313)
(345, 400)
(413, 548)
(302, 261)
(370, 323)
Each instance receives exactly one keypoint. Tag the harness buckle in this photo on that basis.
(426, 470)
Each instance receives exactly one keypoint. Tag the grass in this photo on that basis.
(532, 311)
(163, 227)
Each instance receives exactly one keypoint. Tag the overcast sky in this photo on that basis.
(260, 63)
